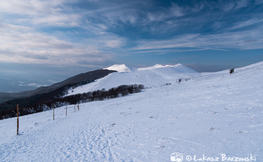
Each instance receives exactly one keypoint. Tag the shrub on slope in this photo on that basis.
(34, 104)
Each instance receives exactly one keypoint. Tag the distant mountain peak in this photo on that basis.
(158, 66)
(119, 68)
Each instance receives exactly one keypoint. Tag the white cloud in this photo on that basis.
(32, 7)
(43, 12)
(29, 46)
(235, 5)
(182, 41)
(23, 84)
(113, 43)
(106, 41)
(247, 23)
(24, 44)
(241, 3)
(228, 6)
(156, 17)
(66, 20)
(52, 81)
(177, 11)
(243, 40)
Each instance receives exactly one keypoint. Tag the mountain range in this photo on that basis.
(37, 100)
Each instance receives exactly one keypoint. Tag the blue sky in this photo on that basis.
(61, 38)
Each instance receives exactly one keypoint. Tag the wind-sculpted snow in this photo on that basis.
(209, 115)
(119, 68)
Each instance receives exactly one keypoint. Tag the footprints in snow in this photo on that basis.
(129, 113)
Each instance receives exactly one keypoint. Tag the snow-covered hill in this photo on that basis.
(178, 68)
(212, 115)
(119, 68)
(150, 76)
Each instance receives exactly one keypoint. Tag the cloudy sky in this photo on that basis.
(50, 40)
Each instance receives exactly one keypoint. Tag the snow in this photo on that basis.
(149, 77)
(179, 67)
(211, 114)
(119, 68)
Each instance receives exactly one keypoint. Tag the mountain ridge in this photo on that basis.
(74, 79)
(149, 76)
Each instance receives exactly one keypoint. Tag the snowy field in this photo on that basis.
(211, 115)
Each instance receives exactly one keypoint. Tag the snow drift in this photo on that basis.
(119, 68)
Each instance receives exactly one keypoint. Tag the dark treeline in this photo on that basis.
(42, 102)
(31, 104)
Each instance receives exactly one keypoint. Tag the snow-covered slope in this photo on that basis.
(178, 68)
(151, 76)
(210, 115)
(119, 68)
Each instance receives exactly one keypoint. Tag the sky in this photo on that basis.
(43, 42)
